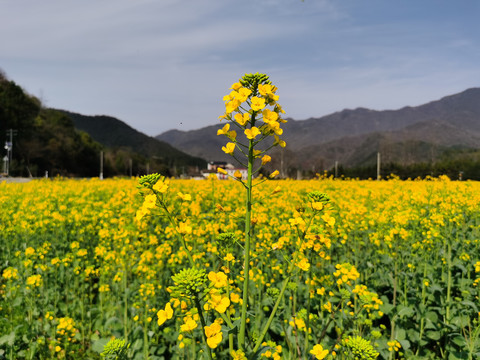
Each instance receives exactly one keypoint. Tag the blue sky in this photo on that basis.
(164, 64)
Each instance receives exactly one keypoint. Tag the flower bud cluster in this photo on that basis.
(115, 349)
(189, 282)
(252, 107)
(359, 348)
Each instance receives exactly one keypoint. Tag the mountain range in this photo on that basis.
(442, 136)
(352, 138)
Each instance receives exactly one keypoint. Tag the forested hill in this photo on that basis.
(54, 141)
(114, 133)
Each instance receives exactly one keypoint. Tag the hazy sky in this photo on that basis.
(164, 64)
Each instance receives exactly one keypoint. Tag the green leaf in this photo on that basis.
(459, 341)
(386, 308)
(99, 344)
(405, 344)
(405, 311)
(470, 304)
(460, 321)
(455, 355)
(137, 345)
(8, 339)
(433, 335)
(400, 334)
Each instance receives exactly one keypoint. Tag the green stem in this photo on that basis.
(173, 222)
(307, 320)
(246, 267)
(284, 286)
(125, 304)
(145, 333)
(202, 321)
(449, 282)
(422, 320)
(226, 318)
(394, 303)
(272, 315)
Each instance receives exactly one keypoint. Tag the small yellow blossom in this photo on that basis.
(184, 197)
(229, 148)
(273, 174)
(218, 279)
(224, 130)
(266, 159)
(319, 352)
(165, 314)
(238, 175)
(257, 103)
(161, 186)
(188, 325)
(242, 119)
(252, 133)
(229, 257)
(213, 334)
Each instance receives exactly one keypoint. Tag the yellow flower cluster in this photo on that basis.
(273, 351)
(369, 300)
(252, 107)
(10, 273)
(408, 223)
(394, 345)
(346, 273)
(66, 327)
(34, 281)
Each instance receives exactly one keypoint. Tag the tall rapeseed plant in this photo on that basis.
(252, 108)
(207, 300)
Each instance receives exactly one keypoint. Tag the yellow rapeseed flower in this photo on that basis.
(266, 159)
(252, 133)
(236, 86)
(229, 148)
(242, 119)
(223, 130)
(188, 325)
(257, 103)
(319, 352)
(238, 175)
(161, 186)
(273, 174)
(165, 314)
(213, 334)
(218, 279)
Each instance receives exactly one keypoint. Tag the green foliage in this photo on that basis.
(115, 349)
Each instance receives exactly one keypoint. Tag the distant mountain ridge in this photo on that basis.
(114, 133)
(353, 137)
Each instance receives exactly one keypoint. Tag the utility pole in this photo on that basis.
(378, 165)
(9, 144)
(5, 165)
(336, 168)
(7, 160)
(101, 165)
(130, 163)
